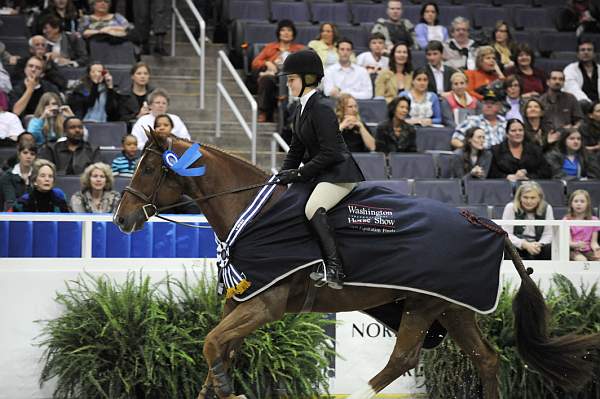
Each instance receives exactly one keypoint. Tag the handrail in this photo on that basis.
(222, 91)
(277, 139)
(199, 48)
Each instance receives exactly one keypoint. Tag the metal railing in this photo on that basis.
(222, 91)
(276, 139)
(198, 44)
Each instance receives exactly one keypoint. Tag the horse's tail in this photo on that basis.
(563, 360)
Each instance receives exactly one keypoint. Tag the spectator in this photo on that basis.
(159, 104)
(48, 118)
(14, 184)
(487, 72)
(584, 239)
(27, 93)
(24, 138)
(579, 16)
(374, 60)
(459, 52)
(513, 101)
(532, 242)
(503, 44)
(325, 44)
(570, 160)
(96, 195)
(425, 105)
(517, 159)
(133, 103)
(561, 107)
(266, 65)
(492, 124)
(73, 155)
(390, 83)
(439, 75)
(64, 10)
(163, 125)
(10, 124)
(38, 47)
(538, 130)
(152, 15)
(103, 25)
(65, 48)
(429, 29)
(395, 135)
(95, 99)
(457, 104)
(124, 164)
(590, 129)
(395, 29)
(532, 79)
(355, 133)
(42, 196)
(345, 77)
(472, 161)
(582, 76)
(5, 58)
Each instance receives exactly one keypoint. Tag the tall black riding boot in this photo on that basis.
(333, 273)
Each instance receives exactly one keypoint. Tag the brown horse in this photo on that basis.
(562, 360)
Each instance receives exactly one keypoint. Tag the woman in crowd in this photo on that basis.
(517, 159)
(538, 129)
(590, 129)
(95, 98)
(395, 135)
(429, 27)
(425, 105)
(325, 44)
(584, 239)
(96, 195)
(101, 21)
(503, 43)
(42, 196)
(48, 118)
(487, 71)
(532, 242)
(15, 183)
(513, 101)
(355, 133)
(532, 79)
(390, 83)
(458, 99)
(570, 160)
(64, 10)
(473, 160)
(133, 103)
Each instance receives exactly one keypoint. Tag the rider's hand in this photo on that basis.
(289, 176)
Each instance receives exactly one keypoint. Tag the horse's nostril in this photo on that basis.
(120, 220)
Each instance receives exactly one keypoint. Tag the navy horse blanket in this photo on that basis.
(386, 239)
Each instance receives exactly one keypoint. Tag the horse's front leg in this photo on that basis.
(239, 323)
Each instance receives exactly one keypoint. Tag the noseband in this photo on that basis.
(150, 209)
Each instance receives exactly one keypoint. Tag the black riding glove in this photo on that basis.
(289, 176)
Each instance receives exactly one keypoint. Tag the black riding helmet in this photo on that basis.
(304, 62)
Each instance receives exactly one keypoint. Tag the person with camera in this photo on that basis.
(95, 98)
(47, 122)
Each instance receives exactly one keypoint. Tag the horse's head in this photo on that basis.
(153, 185)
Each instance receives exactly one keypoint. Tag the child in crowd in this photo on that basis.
(124, 165)
(584, 239)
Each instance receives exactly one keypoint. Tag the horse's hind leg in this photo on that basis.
(462, 327)
(416, 319)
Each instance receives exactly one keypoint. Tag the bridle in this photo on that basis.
(150, 209)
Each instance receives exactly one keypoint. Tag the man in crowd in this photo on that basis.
(374, 60)
(38, 47)
(582, 77)
(492, 124)
(561, 108)
(438, 73)
(460, 51)
(395, 29)
(27, 93)
(345, 77)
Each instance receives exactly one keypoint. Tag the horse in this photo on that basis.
(230, 180)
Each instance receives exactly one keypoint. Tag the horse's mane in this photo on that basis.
(225, 153)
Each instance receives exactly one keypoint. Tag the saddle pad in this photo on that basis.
(386, 239)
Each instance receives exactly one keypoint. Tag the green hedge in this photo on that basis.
(571, 309)
(138, 339)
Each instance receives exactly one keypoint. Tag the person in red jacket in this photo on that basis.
(267, 64)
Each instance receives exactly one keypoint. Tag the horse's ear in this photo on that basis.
(155, 137)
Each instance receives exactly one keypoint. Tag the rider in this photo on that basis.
(327, 161)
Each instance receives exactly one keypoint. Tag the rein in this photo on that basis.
(150, 209)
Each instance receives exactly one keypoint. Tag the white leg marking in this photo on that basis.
(364, 393)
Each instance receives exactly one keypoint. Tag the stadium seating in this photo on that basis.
(445, 190)
(106, 134)
(293, 10)
(592, 187)
(13, 26)
(412, 166)
(479, 210)
(247, 10)
(107, 53)
(443, 163)
(488, 16)
(489, 191)
(338, 13)
(535, 18)
(367, 12)
(372, 165)
(433, 138)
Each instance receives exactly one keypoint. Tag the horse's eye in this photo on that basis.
(148, 170)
